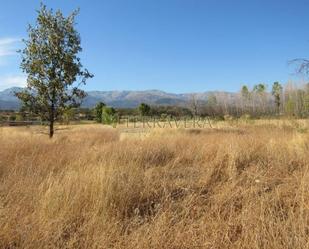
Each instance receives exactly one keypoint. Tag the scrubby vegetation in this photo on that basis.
(94, 187)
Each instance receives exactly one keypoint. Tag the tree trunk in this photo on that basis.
(51, 121)
(51, 128)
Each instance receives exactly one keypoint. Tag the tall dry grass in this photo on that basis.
(245, 187)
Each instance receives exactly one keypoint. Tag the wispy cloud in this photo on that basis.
(8, 47)
(12, 81)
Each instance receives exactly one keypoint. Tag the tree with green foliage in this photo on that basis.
(245, 93)
(260, 91)
(98, 111)
(277, 92)
(211, 104)
(50, 59)
(12, 117)
(290, 107)
(19, 117)
(245, 96)
(68, 115)
(144, 109)
(259, 88)
(108, 115)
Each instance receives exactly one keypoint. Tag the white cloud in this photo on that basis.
(12, 81)
(8, 47)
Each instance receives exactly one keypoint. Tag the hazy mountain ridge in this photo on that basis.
(120, 99)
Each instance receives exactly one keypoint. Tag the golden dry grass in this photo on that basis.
(91, 187)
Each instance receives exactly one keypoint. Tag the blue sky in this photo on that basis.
(171, 45)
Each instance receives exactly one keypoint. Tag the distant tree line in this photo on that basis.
(277, 100)
(289, 100)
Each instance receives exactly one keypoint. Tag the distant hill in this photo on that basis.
(118, 99)
(7, 99)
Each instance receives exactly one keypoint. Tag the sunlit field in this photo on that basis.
(235, 185)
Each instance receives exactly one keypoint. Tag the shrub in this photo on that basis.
(108, 115)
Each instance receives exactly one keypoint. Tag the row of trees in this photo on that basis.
(108, 115)
(280, 100)
(288, 100)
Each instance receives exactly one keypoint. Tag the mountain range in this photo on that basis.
(118, 99)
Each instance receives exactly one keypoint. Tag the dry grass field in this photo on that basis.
(244, 186)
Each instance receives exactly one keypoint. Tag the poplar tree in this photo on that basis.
(277, 92)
